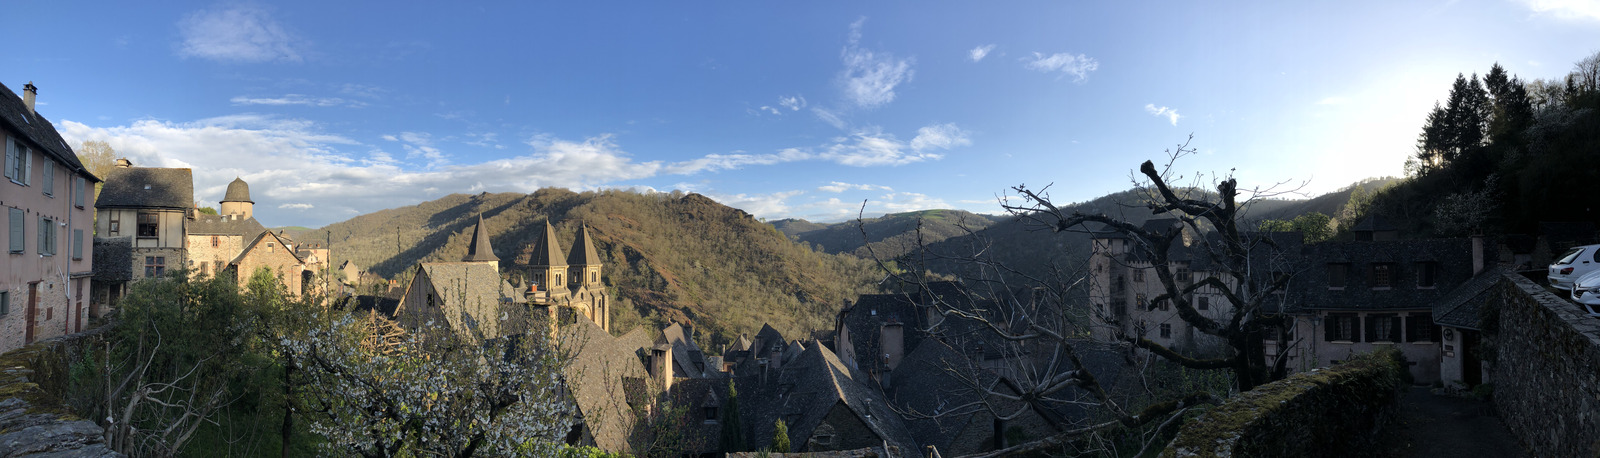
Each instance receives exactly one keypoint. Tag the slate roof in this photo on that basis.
(869, 314)
(238, 191)
(38, 131)
(685, 354)
(1460, 307)
(469, 294)
(601, 367)
(383, 305)
(147, 187)
(583, 253)
(547, 251)
(204, 224)
(112, 259)
(479, 249)
(936, 402)
(804, 393)
(259, 238)
(1374, 223)
(1451, 257)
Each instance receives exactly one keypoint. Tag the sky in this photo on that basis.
(815, 110)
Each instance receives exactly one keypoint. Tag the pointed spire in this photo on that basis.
(583, 253)
(547, 252)
(479, 250)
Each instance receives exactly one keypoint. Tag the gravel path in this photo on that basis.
(1447, 426)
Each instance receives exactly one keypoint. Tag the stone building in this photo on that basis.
(569, 283)
(214, 241)
(47, 195)
(148, 206)
(272, 252)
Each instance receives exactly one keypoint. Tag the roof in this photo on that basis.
(546, 252)
(147, 187)
(600, 365)
(1374, 223)
(479, 249)
(469, 295)
(1562, 235)
(869, 314)
(204, 224)
(112, 258)
(238, 191)
(380, 304)
(38, 131)
(1452, 259)
(259, 238)
(928, 387)
(688, 358)
(583, 253)
(1459, 308)
(808, 389)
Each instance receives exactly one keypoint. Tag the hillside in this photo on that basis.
(889, 236)
(670, 257)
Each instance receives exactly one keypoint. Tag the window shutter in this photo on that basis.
(1371, 328)
(77, 191)
(77, 244)
(17, 231)
(1328, 323)
(11, 158)
(49, 178)
(44, 225)
(27, 158)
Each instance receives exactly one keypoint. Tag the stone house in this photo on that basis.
(1460, 357)
(214, 241)
(47, 195)
(147, 206)
(468, 297)
(272, 252)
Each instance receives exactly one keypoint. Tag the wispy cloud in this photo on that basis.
(297, 206)
(839, 186)
(792, 103)
(940, 136)
(297, 99)
(1171, 114)
(1565, 9)
(829, 117)
(237, 33)
(1077, 65)
(869, 78)
(761, 205)
(977, 54)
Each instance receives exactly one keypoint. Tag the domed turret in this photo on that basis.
(237, 200)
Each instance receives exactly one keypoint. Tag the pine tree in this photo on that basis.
(732, 433)
(780, 437)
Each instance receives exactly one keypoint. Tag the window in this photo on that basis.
(1166, 330)
(1341, 327)
(49, 178)
(1119, 285)
(430, 300)
(5, 302)
(204, 269)
(1142, 303)
(1165, 305)
(218, 267)
(1427, 274)
(149, 224)
(77, 191)
(1183, 275)
(1382, 275)
(1383, 327)
(17, 245)
(214, 241)
(1138, 275)
(594, 277)
(155, 266)
(1420, 328)
(77, 244)
(19, 164)
(1338, 275)
(116, 223)
(711, 413)
(47, 236)
(1205, 303)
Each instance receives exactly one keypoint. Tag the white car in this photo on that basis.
(1573, 264)
(1586, 291)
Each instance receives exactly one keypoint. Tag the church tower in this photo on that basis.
(479, 249)
(237, 200)
(583, 263)
(549, 267)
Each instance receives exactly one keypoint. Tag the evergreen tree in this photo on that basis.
(780, 437)
(732, 433)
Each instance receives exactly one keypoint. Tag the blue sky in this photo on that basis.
(798, 109)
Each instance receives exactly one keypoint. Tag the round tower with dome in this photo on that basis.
(237, 200)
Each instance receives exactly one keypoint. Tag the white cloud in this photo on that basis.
(829, 117)
(770, 110)
(390, 138)
(940, 136)
(978, 53)
(839, 186)
(297, 99)
(761, 205)
(872, 147)
(1335, 100)
(911, 201)
(869, 78)
(297, 206)
(238, 33)
(1171, 114)
(1077, 65)
(1565, 9)
(792, 103)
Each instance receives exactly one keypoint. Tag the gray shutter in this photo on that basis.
(77, 191)
(11, 158)
(77, 244)
(17, 231)
(27, 158)
(49, 178)
(44, 225)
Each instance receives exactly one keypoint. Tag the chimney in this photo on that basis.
(123, 163)
(29, 92)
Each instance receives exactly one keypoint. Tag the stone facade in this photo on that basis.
(1547, 388)
(271, 252)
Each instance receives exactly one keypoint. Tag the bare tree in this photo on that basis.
(99, 158)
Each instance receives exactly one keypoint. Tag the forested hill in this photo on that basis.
(670, 257)
(889, 236)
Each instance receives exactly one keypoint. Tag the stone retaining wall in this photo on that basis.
(1546, 369)
(33, 419)
(1336, 411)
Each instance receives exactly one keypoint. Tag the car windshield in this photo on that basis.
(1569, 256)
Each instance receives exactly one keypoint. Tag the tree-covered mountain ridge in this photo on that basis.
(669, 257)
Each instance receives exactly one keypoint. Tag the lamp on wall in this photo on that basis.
(1449, 334)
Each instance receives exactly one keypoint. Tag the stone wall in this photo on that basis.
(1546, 369)
(33, 417)
(1327, 412)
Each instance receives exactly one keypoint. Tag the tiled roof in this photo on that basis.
(471, 301)
(1459, 308)
(147, 187)
(264, 236)
(112, 261)
(601, 367)
(479, 249)
(685, 354)
(1452, 259)
(547, 251)
(204, 224)
(929, 388)
(38, 131)
(238, 191)
(806, 390)
(583, 253)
